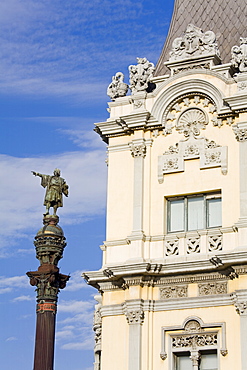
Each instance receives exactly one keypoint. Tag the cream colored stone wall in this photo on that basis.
(193, 180)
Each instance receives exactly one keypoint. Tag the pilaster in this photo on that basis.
(240, 131)
(135, 317)
(241, 308)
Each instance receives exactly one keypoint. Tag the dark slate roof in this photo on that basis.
(226, 18)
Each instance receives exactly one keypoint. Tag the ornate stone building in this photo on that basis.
(173, 285)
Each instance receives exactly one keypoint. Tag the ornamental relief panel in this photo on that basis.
(208, 152)
(174, 291)
(212, 288)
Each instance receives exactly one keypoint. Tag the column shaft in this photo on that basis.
(44, 342)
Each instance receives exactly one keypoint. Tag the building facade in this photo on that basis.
(173, 285)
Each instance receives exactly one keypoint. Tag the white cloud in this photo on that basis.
(21, 194)
(75, 330)
(76, 282)
(10, 339)
(23, 298)
(64, 48)
(86, 344)
(8, 284)
(73, 306)
(85, 139)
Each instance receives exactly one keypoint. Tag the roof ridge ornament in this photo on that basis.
(194, 42)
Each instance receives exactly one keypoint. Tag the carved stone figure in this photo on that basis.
(194, 42)
(140, 75)
(55, 188)
(239, 55)
(117, 87)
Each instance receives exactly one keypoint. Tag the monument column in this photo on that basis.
(49, 244)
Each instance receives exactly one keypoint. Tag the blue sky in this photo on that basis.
(56, 61)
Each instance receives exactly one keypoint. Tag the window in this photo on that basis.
(194, 212)
(207, 360)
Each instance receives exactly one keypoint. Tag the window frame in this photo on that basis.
(207, 196)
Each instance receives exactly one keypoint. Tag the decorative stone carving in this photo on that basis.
(191, 150)
(174, 291)
(210, 155)
(194, 43)
(241, 308)
(214, 243)
(190, 114)
(212, 288)
(240, 133)
(97, 322)
(97, 327)
(171, 247)
(117, 87)
(170, 164)
(192, 326)
(140, 76)
(193, 245)
(193, 341)
(193, 338)
(191, 121)
(138, 150)
(134, 316)
(239, 55)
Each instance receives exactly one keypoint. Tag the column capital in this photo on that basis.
(138, 149)
(134, 312)
(241, 308)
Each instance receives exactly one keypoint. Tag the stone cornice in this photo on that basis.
(238, 102)
(224, 266)
(140, 118)
(171, 304)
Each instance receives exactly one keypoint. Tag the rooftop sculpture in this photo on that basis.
(239, 55)
(194, 42)
(117, 87)
(140, 75)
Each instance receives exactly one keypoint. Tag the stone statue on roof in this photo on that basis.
(55, 188)
(239, 55)
(194, 42)
(140, 75)
(117, 87)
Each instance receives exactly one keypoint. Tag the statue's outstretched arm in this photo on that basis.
(36, 174)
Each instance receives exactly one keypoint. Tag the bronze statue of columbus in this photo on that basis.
(55, 188)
